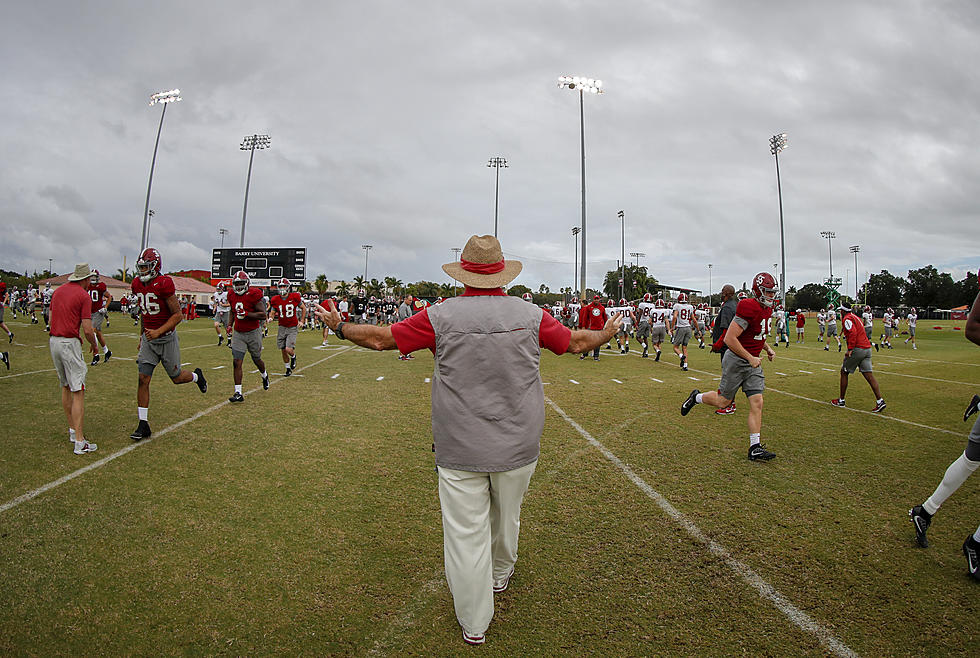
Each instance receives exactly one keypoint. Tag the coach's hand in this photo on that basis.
(329, 316)
(613, 324)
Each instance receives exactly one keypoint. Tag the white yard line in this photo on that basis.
(798, 617)
(217, 367)
(694, 378)
(806, 372)
(889, 372)
(783, 374)
(617, 381)
(32, 372)
(659, 381)
(119, 453)
(379, 378)
(335, 376)
(573, 381)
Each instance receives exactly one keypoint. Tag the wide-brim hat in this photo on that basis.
(482, 264)
(82, 272)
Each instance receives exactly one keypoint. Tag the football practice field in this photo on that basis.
(306, 521)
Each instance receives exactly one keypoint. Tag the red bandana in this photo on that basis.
(482, 268)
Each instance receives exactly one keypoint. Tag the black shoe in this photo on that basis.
(292, 362)
(595, 358)
(839, 345)
(6, 359)
(645, 355)
(202, 383)
(921, 519)
(758, 452)
(581, 357)
(141, 432)
(875, 346)
(265, 383)
(289, 371)
(970, 409)
(689, 402)
(221, 339)
(627, 348)
(658, 356)
(95, 360)
(108, 355)
(237, 397)
(971, 549)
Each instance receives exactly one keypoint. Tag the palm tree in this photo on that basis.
(390, 283)
(374, 288)
(321, 283)
(343, 289)
(358, 282)
(122, 275)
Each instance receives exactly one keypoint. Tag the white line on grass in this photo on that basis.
(694, 378)
(888, 372)
(782, 373)
(829, 369)
(806, 372)
(801, 619)
(21, 374)
(427, 380)
(659, 381)
(379, 378)
(217, 367)
(335, 376)
(573, 381)
(617, 381)
(119, 453)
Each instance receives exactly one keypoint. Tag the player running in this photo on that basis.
(644, 315)
(680, 323)
(46, 296)
(858, 356)
(658, 324)
(222, 313)
(626, 328)
(832, 329)
(741, 366)
(911, 319)
(289, 310)
(154, 292)
(100, 307)
(821, 324)
(248, 304)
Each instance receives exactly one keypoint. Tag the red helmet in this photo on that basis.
(609, 302)
(682, 298)
(765, 288)
(912, 311)
(575, 300)
(149, 264)
(742, 295)
(660, 303)
(527, 297)
(240, 282)
(95, 276)
(648, 297)
(622, 301)
(284, 285)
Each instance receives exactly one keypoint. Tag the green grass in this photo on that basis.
(306, 520)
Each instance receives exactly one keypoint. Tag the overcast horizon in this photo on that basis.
(383, 116)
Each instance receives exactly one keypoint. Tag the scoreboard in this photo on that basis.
(264, 266)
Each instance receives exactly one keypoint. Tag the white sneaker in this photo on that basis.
(81, 447)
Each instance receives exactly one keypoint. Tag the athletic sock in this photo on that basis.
(193, 376)
(106, 349)
(754, 439)
(955, 475)
(264, 375)
(143, 413)
(976, 535)
(699, 398)
(238, 388)
(880, 400)
(71, 433)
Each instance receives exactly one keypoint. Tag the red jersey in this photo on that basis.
(288, 309)
(800, 320)
(241, 305)
(759, 319)
(97, 293)
(3, 292)
(70, 304)
(854, 332)
(592, 316)
(152, 298)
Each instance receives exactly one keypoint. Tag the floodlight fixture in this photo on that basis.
(250, 143)
(164, 98)
(830, 235)
(776, 144)
(496, 163)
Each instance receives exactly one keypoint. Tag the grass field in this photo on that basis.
(306, 520)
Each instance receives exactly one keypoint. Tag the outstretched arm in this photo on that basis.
(973, 322)
(365, 335)
(583, 340)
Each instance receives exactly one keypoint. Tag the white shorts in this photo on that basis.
(68, 363)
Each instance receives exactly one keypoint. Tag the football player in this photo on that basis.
(779, 319)
(46, 295)
(4, 300)
(154, 293)
(644, 315)
(701, 315)
(626, 327)
(869, 321)
(288, 308)
(741, 366)
(832, 329)
(573, 312)
(858, 356)
(358, 307)
(821, 324)
(222, 313)
(100, 307)
(263, 324)
(888, 322)
(911, 319)
(680, 323)
(658, 324)
(957, 472)
(248, 305)
(32, 303)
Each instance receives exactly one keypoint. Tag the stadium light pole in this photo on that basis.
(709, 284)
(496, 163)
(250, 143)
(164, 98)
(829, 235)
(149, 220)
(456, 251)
(637, 255)
(366, 248)
(622, 271)
(50, 265)
(776, 144)
(223, 232)
(591, 86)
(857, 277)
(575, 231)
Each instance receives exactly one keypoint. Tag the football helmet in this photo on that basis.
(891, 311)
(913, 311)
(622, 301)
(682, 298)
(575, 300)
(660, 303)
(284, 286)
(240, 282)
(742, 295)
(648, 297)
(361, 292)
(149, 264)
(438, 300)
(609, 303)
(47, 286)
(527, 297)
(95, 276)
(765, 288)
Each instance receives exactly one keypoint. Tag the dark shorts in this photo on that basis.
(975, 432)
(643, 330)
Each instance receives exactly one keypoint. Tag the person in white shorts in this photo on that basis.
(912, 318)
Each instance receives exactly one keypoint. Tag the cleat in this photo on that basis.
(580, 357)
(726, 411)
(658, 356)
(474, 639)
(289, 371)
(81, 447)
(921, 519)
(970, 409)
(826, 348)
(141, 432)
(95, 360)
(839, 347)
(758, 452)
(237, 397)
(220, 340)
(202, 383)
(837, 402)
(595, 358)
(108, 355)
(6, 359)
(622, 350)
(292, 362)
(265, 383)
(501, 585)
(971, 549)
(875, 346)
(879, 407)
(627, 348)
(689, 402)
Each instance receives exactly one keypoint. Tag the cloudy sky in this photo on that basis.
(383, 116)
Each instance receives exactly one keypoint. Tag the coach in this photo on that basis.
(487, 414)
(71, 311)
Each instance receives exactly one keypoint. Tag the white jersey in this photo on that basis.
(644, 312)
(780, 317)
(821, 317)
(46, 296)
(685, 313)
(912, 317)
(832, 317)
(627, 312)
(868, 318)
(702, 316)
(887, 319)
(574, 309)
(658, 317)
(221, 301)
(32, 295)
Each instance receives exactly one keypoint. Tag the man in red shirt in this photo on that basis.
(858, 356)
(71, 310)
(288, 308)
(155, 294)
(741, 366)
(592, 316)
(800, 323)
(248, 308)
(100, 307)
(487, 414)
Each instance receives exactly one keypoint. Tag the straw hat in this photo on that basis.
(482, 264)
(82, 272)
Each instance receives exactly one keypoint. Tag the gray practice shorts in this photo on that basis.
(286, 337)
(888, 332)
(250, 340)
(658, 334)
(68, 363)
(975, 432)
(221, 318)
(868, 329)
(165, 349)
(98, 319)
(701, 328)
(624, 330)
(643, 330)
(912, 332)
(800, 330)
(832, 329)
(823, 328)
(682, 336)
(860, 358)
(1, 312)
(737, 373)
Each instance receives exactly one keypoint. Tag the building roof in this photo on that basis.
(183, 284)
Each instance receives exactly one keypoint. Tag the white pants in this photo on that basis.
(481, 521)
